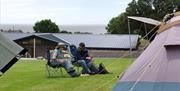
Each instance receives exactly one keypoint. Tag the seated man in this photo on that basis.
(85, 60)
(59, 59)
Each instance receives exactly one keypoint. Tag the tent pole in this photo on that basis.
(34, 48)
(145, 30)
(129, 29)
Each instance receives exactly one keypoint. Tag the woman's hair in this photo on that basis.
(82, 44)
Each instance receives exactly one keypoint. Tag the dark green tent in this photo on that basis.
(9, 53)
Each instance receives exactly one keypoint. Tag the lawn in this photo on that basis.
(31, 76)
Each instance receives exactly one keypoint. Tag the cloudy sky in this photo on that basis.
(64, 12)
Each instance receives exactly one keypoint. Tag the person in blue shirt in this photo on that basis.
(58, 58)
(85, 60)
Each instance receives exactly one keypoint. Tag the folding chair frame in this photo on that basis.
(54, 71)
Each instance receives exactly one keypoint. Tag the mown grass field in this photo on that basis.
(31, 76)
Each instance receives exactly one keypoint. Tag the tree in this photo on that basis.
(65, 32)
(163, 7)
(117, 24)
(46, 26)
(155, 9)
(78, 32)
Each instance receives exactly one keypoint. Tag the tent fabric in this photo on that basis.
(149, 86)
(145, 20)
(165, 26)
(9, 51)
(158, 67)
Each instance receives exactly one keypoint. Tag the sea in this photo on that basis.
(28, 28)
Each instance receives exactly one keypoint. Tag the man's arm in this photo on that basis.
(87, 55)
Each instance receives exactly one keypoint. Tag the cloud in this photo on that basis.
(67, 9)
(61, 11)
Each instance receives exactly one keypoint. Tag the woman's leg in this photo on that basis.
(69, 68)
(67, 65)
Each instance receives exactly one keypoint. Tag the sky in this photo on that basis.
(62, 12)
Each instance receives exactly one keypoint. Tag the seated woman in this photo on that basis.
(59, 59)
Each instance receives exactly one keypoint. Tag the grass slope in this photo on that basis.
(31, 76)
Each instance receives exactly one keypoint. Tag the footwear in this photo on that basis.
(75, 75)
(92, 73)
(84, 74)
(102, 69)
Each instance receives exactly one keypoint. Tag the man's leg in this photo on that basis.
(92, 66)
(85, 66)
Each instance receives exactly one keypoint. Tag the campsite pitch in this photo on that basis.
(31, 76)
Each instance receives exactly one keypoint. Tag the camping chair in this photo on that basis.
(52, 70)
(72, 50)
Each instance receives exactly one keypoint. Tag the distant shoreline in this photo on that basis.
(93, 28)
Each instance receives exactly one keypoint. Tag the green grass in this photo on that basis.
(31, 76)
